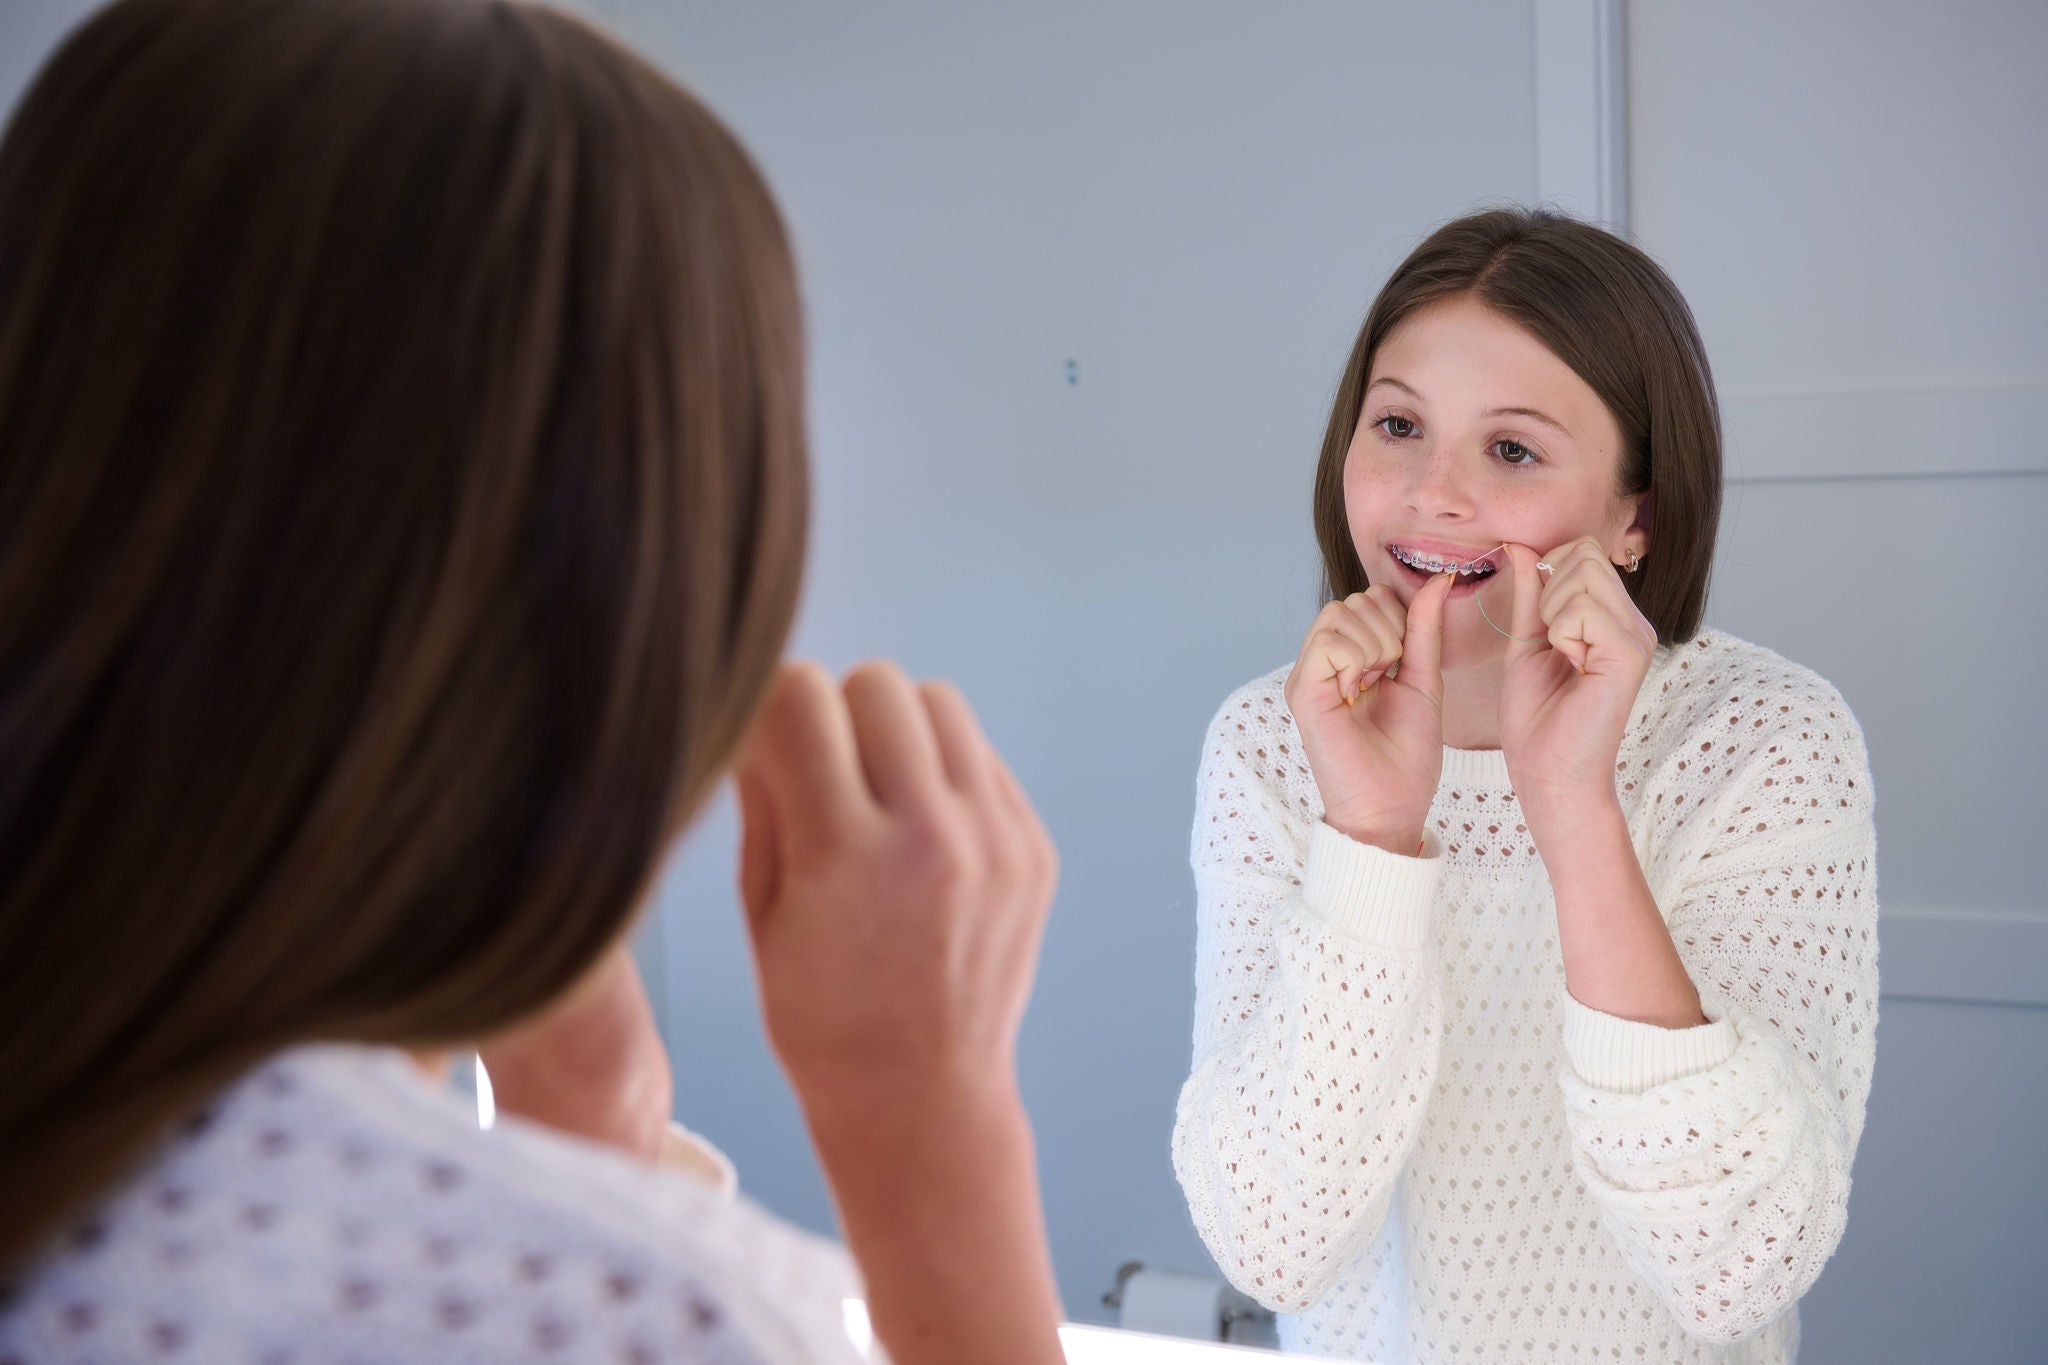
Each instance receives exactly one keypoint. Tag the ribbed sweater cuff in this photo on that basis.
(1367, 892)
(1626, 1057)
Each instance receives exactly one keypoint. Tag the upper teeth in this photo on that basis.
(1433, 564)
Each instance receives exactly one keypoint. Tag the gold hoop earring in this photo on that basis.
(1633, 562)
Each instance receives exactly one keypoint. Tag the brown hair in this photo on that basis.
(1605, 309)
(402, 499)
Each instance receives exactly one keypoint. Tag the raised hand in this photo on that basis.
(896, 881)
(1572, 678)
(1367, 697)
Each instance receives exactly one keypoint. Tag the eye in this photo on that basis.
(1513, 452)
(1399, 428)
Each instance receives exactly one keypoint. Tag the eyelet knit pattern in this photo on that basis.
(1403, 1132)
(332, 1207)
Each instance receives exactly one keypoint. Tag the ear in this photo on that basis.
(1640, 528)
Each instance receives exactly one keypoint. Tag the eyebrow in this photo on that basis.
(1530, 413)
(1533, 415)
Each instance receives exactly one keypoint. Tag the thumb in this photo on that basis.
(1526, 617)
(1422, 646)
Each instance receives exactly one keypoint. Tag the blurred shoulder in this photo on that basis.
(379, 1219)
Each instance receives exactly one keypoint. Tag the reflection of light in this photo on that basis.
(1099, 1345)
(486, 1102)
(857, 1325)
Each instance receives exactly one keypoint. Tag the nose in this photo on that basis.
(1437, 486)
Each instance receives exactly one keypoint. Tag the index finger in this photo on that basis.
(802, 754)
(892, 729)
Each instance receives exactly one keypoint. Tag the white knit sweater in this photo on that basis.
(1404, 1134)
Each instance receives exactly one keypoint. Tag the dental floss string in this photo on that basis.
(1479, 599)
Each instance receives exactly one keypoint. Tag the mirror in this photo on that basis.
(1080, 280)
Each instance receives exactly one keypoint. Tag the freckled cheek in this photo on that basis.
(1531, 515)
(1533, 522)
(1371, 498)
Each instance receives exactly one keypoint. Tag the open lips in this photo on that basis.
(1423, 565)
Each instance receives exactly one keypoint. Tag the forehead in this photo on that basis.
(1458, 352)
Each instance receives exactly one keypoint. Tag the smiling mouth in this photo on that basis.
(1428, 565)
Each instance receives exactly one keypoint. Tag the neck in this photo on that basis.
(1472, 706)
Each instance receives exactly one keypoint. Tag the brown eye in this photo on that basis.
(1400, 428)
(1513, 452)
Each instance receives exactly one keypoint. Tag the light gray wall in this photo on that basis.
(1851, 195)
(1842, 204)
(29, 29)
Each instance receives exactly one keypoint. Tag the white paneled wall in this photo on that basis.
(1852, 197)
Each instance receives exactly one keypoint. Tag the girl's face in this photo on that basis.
(1473, 433)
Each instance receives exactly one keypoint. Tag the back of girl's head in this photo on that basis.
(402, 492)
(1606, 310)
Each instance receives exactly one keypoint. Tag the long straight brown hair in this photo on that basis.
(1604, 308)
(402, 501)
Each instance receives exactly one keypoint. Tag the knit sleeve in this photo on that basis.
(1318, 1017)
(1720, 1156)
